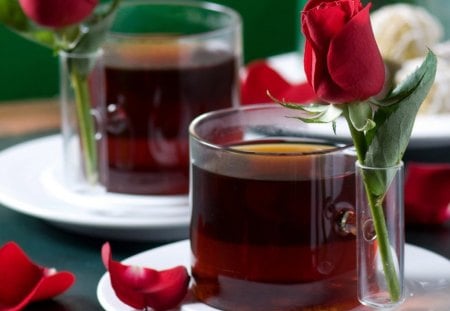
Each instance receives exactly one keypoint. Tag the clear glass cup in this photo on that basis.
(272, 224)
(166, 63)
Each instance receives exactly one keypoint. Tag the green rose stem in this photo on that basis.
(78, 72)
(376, 209)
(85, 123)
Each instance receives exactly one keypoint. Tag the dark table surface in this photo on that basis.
(52, 247)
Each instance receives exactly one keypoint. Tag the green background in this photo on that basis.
(270, 27)
(30, 71)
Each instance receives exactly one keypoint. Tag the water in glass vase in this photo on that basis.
(264, 232)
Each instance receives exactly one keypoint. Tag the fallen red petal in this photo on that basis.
(53, 285)
(260, 78)
(22, 281)
(141, 287)
(427, 195)
(170, 289)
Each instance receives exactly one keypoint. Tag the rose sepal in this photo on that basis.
(313, 112)
(361, 116)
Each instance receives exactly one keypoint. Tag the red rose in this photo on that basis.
(342, 61)
(57, 13)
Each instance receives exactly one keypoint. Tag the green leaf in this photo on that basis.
(389, 139)
(361, 116)
(11, 15)
(378, 181)
(97, 27)
(405, 89)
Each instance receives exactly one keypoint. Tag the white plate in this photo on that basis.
(428, 131)
(427, 278)
(31, 183)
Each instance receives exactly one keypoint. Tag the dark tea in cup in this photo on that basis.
(267, 205)
(166, 63)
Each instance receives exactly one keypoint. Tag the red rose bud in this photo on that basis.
(141, 287)
(342, 60)
(22, 281)
(57, 13)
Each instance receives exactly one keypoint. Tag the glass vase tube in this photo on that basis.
(81, 99)
(380, 236)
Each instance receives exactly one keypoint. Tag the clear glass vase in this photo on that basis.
(380, 235)
(81, 98)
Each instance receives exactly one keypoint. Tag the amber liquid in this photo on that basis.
(261, 243)
(151, 98)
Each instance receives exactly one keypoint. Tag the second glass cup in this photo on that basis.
(166, 62)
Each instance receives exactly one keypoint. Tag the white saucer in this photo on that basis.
(427, 278)
(429, 130)
(31, 183)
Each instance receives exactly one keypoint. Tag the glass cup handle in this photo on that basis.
(346, 223)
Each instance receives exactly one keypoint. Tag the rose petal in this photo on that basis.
(142, 287)
(354, 60)
(22, 281)
(19, 276)
(169, 290)
(427, 195)
(57, 13)
(311, 4)
(261, 78)
(320, 26)
(52, 285)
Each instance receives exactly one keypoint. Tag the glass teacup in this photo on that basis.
(270, 203)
